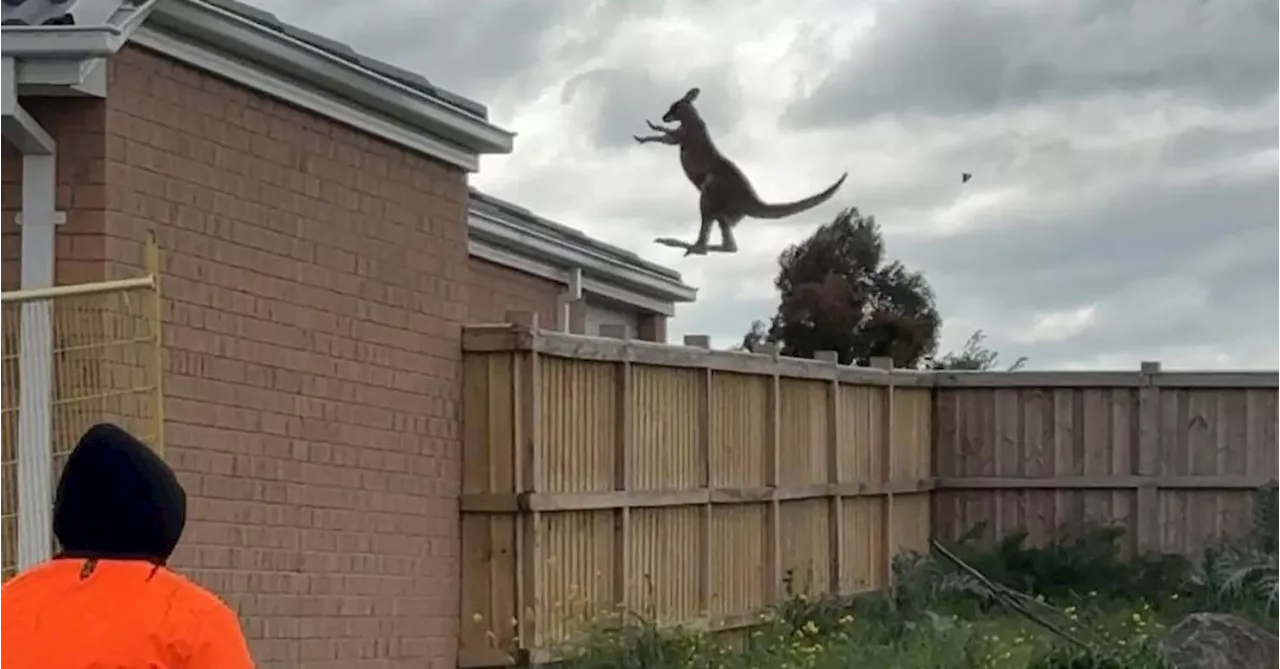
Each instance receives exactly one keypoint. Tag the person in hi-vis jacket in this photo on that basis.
(107, 599)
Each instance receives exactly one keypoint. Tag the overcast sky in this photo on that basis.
(1124, 199)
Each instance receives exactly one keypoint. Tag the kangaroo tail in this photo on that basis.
(784, 209)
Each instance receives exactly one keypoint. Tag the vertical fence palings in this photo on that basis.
(707, 516)
(701, 486)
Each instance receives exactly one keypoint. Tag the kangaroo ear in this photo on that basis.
(691, 95)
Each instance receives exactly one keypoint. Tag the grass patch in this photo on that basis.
(1116, 610)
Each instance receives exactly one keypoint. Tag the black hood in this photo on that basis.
(118, 499)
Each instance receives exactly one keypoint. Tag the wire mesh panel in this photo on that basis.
(105, 341)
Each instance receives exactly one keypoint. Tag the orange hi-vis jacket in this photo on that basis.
(107, 600)
(123, 615)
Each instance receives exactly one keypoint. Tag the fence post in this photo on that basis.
(1145, 465)
(835, 442)
(525, 398)
(772, 475)
(35, 433)
(886, 470)
(704, 477)
(156, 315)
(622, 483)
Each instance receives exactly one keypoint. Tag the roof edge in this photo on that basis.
(238, 35)
(573, 236)
(518, 237)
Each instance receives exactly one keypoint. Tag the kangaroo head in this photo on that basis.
(683, 108)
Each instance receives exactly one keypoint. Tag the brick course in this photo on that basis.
(315, 282)
(493, 290)
(78, 125)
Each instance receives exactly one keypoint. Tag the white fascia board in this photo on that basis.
(296, 93)
(511, 260)
(59, 42)
(521, 263)
(238, 35)
(75, 42)
(486, 228)
(617, 293)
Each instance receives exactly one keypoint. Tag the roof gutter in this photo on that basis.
(65, 55)
(75, 42)
(37, 223)
(492, 229)
(233, 33)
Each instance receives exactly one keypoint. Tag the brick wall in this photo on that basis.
(315, 281)
(78, 126)
(493, 289)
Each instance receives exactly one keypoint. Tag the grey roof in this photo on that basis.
(516, 213)
(401, 76)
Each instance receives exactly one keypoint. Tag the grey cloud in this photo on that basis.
(1053, 259)
(623, 97)
(945, 58)
(1210, 143)
(495, 51)
(1165, 265)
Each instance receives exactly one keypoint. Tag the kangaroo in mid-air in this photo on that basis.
(727, 196)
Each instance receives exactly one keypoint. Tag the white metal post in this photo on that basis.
(35, 344)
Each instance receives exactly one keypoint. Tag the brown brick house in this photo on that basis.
(321, 251)
(512, 248)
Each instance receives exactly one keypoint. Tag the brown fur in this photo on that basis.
(726, 194)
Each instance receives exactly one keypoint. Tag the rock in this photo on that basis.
(1220, 641)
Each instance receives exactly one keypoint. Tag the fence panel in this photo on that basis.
(688, 485)
(106, 366)
(1171, 457)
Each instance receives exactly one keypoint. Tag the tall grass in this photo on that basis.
(1112, 610)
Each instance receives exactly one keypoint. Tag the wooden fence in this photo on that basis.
(1171, 456)
(697, 486)
(694, 485)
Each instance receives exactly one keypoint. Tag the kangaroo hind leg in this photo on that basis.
(727, 243)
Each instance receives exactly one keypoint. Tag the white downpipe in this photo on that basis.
(573, 293)
(35, 363)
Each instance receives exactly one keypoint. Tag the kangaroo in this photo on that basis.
(726, 194)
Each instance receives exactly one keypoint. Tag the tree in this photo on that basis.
(975, 357)
(838, 294)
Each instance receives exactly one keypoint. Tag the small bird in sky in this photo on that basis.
(965, 177)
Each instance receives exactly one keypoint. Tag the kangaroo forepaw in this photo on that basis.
(654, 126)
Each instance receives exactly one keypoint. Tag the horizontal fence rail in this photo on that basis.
(697, 486)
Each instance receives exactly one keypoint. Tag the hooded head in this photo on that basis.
(118, 500)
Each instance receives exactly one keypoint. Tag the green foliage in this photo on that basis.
(1138, 656)
(1110, 610)
(633, 642)
(1243, 574)
(974, 356)
(1073, 564)
(1080, 562)
(838, 293)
